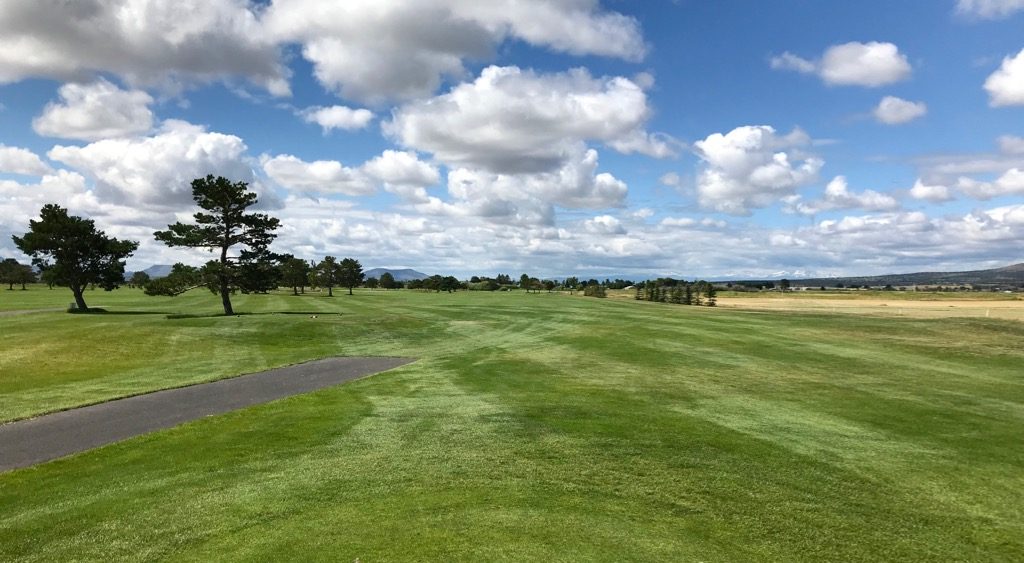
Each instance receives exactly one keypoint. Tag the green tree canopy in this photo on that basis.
(295, 273)
(387, 281)
(75, 252)
(9, 272)
(181, 279)
(139, 280)
(351, 273)
(327, 274)
(222, 225)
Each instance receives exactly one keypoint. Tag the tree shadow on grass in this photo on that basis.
(98, 311)
(174, 316)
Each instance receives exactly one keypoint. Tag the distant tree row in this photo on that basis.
(679, 292)
(13, 273)
(70, 251)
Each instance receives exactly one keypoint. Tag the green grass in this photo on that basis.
(540, 427)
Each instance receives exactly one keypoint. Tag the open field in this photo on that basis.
(922, 305)
(533, 427)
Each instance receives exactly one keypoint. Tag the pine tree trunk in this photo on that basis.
(225, 298)
(225, 293)
(79, 299)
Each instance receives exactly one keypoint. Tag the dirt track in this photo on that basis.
(28, 442)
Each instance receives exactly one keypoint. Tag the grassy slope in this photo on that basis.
(533, 427)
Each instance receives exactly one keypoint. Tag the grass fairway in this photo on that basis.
(534, 427)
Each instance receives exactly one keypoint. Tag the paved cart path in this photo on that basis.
(27, 442)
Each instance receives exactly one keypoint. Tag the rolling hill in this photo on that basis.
(1008, 276)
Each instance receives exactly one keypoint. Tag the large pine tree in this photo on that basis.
(222, 225)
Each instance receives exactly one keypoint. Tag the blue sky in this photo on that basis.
(696, 139)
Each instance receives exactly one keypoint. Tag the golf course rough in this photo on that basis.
(539, 427)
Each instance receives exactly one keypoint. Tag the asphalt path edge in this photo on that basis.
(24, 443)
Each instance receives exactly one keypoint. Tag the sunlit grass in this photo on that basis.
(533, 427)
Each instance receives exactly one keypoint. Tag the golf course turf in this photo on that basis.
(532, 427)
(28, 442)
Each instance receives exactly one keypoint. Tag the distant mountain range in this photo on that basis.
(1008, 276)
(157, 271)
(404, 274)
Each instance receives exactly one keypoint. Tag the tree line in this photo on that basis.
(70, 251)
(679, 292)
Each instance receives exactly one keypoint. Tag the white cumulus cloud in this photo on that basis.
(528, 199)
(374, 51)
(751, 167)
(16, 160)
(397, 171)
(91, 112)
(604, 225)
(934, 193)
(321, 176)
(895, 111)
(838, 196)
(869, 64)
(1005, 86)
(157, 170)
(511, 120)
(144, 42)
(1010, 182)
(337, 117)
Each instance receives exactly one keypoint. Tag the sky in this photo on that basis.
(694, 139)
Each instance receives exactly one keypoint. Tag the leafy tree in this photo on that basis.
(295, 273)
(9, 272)
(372, 283)
(48, 276)
(433, 283)
(328, 274)
(450, 284)
(594, 290)
(687, 294)
(677, 295)
(710, 294)
(524, 282)
(351, 273)
(485, 284)
(259, 272)
(181, 279)
(222, 225)
(571, 283)
(75, 252)
(139, 280)
(387, 281)
(503, 279)
(24, 274)
(784, 285)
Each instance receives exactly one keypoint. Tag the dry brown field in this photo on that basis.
(879, 303)
(1010, 307)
